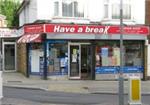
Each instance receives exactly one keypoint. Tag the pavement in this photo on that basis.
(18, 80)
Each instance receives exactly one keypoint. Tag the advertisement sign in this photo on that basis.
(28, 38)
(95, 29)
(104, 52)
(85, 29)
(38, 28)
(6, 32)
(115, 69)
(133, 69)
(106, 70)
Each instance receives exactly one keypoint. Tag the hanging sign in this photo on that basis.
(6, 32)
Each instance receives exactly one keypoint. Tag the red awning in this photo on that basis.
(28, 38)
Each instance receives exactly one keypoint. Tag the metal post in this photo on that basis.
(121, 79)
(45, 61)
(1, 71)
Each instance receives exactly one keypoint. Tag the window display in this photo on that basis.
(57, 59)
(108, 55)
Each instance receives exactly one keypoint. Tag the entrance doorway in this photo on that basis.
(80, 60)
(9, 56)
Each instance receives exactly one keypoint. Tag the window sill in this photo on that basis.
(79, 20)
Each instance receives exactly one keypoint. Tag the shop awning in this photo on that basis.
(29, 38)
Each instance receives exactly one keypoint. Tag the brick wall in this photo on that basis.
(21, 58)
(147, 12)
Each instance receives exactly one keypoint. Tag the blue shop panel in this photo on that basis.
(133, 69)
(113, 70)
(106, 70)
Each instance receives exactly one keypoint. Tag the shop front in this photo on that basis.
(70, 58)
(84, 51)
(8, 49)
(108, 58)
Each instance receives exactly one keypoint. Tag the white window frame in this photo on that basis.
(109, 3)
(60, 12)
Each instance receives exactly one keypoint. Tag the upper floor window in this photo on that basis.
(56, 8)
(69, 8)
(112, 9)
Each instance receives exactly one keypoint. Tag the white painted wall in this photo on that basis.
(139, 11)
(95, 10)
(29, 13)
(32, 11)
(45, 9)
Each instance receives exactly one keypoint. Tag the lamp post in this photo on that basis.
(121, 79)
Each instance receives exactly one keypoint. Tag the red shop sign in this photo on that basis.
(38, 28)
(96, 29)
(85, 29)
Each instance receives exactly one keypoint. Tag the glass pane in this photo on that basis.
(85, 61)
(78, 9)
(133, 54)
(58, 58)
(67, 8)
(74, 61)
(115, 11)
(56, 8)
(105, 11)
(126, 11)
(9, 51)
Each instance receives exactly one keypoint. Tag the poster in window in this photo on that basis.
(116, 52)
(62, 62)
(105, 61)
(74, 51)
(104, 52)
(74, 58)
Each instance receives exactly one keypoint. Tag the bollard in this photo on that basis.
(1, 86)
(134, 91)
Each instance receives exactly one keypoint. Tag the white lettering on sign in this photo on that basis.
(97, 30)
(64, 29)
(88, 29)
(80, 29)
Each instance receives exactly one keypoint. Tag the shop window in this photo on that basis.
(133, 55)
(108, 54)
(68, 8)
(58, 58)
